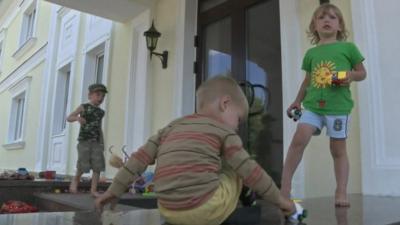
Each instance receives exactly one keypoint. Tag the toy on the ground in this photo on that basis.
(295, 114)
(144, 184)
(299, 215)
(115, 160)
(13, 206)
(338, 78)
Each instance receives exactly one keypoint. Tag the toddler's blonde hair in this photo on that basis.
(217, 87)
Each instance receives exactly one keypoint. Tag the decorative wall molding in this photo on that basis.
(184, 95)
(23, 69)
(379, 170)
(24, 48)
(139, 100)
(291, 64)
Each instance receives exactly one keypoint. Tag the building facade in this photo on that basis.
(50, 51)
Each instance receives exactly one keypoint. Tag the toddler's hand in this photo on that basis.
(105, 198)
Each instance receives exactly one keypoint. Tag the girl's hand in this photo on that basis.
(348, 79)
(294, 105)
(287, 206)
(105, 198)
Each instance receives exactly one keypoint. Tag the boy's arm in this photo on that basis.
(135, 166)
(248, 169)
(74, 116)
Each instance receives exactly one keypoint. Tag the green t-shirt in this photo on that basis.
(319, 62)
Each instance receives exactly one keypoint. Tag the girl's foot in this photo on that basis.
(341, 200)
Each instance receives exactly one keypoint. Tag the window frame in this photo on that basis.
(18, 91)
(29, 22)
(2, 48)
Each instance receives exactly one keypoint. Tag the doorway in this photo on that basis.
(242, 38)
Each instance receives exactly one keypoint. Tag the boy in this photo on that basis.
(91, 143)
(201, 163)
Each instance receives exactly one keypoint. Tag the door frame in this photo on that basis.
(291, 55)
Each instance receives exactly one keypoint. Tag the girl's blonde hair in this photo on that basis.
(322, 9)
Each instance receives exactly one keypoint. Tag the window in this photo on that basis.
(18, 108)
(66, 94)
(18, 112)
(99, 68)
(61, 99)
(28, 24)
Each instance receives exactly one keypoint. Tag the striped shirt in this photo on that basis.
(189, 154)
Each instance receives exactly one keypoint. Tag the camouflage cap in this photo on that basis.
(98, 87)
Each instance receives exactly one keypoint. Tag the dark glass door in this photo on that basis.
(242, 38)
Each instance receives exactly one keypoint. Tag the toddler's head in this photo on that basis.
(222, 98)
(316, 25)
(97, 92)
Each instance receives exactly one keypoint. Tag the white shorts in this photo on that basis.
(336, 125)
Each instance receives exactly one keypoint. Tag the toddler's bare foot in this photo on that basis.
(341, 200)
(73, 187)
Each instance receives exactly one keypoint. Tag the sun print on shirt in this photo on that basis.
(322, 74)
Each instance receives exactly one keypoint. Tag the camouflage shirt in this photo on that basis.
(91, 130)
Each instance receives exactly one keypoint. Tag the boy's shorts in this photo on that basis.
(90, 156)
(216, 210)
(336, 125)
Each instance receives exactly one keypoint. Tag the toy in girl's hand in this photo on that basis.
(338, 78)
(299, 215)
(295, 114)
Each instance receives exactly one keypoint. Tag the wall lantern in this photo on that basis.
(152, 36)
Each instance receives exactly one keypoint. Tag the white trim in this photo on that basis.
(14, 145)
(370, 93)
(2, 47)
(23, 36)
(26, 46)
(139, 99)
(291, 78)
(22, 87)
(24, 68)
(184, 95)
(379, 171)
(10, 15)
(47, 88)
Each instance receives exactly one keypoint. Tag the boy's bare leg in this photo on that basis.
(73, 187)
(95, 180)
(341, 165)
(295, 153)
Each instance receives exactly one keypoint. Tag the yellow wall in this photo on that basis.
(12, 159)
(164, 79)
(13, 33)
(118, 77)
(318, 163)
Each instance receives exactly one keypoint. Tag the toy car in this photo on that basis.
(299, 215)
(295, 114)
(338, 78)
